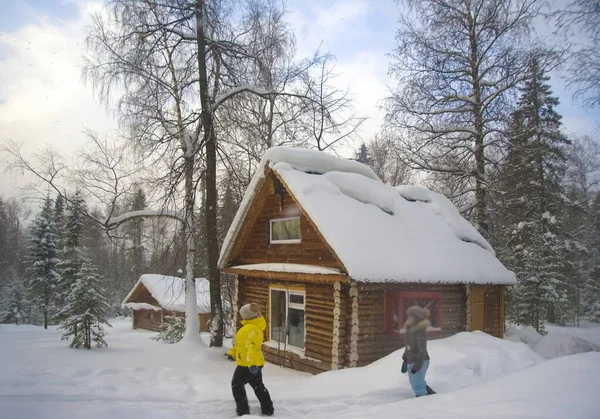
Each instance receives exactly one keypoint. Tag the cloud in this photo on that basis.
(42, 99)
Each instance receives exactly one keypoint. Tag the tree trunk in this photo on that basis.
(191, 305)
(480, 184)
(216, 337)
(46, 301)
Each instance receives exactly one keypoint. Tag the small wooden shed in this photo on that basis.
(154, 297)
(335, 257)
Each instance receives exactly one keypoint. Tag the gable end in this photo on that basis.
(252, 245)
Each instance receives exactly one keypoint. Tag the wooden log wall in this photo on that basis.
(254, 240)
(374, 341)
(153, 319)
(319, 313)
(147, 319)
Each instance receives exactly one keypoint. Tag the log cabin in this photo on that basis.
(154, 297)
(335, 257)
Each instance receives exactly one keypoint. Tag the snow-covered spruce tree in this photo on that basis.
(591, 289)
(535, 243)
(71, 252)
(84, 314)
(581, 188)
(59, 219)
(514, 184)
(4, 242)
(14, 306)
(43, 260)
(134, 231)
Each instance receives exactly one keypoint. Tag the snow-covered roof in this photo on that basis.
(289, 267)
(380, 233)
(169, 291)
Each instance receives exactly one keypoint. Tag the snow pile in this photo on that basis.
(458, 361)
(562, 388)
(289, 267)
(552, 345)
(316, 162)
(587, 330)
(169, 292)
(380, 233)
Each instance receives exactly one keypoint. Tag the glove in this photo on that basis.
(229, 357)
(416, 367)
(254, 369)
(404, 367)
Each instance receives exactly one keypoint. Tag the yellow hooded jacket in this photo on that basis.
(248, 342)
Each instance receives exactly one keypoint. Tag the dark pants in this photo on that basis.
(243, 376)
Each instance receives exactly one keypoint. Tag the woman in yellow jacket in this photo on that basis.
(248, 355)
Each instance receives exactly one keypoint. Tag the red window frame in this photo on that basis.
(403, 299)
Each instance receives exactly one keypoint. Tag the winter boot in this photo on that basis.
(430, 391)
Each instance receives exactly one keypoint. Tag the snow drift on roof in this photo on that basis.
(169, 291)
(380, 233)
(289, 267)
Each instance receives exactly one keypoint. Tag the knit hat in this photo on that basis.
(250, 311)
(418, 313)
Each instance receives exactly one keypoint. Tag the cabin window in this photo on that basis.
(397, 302)
(288, 317)
(285, 230)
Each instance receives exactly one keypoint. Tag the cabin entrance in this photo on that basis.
(487, 309)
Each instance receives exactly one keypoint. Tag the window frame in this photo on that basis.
(397, 295)
(289, 241)
(288, 305)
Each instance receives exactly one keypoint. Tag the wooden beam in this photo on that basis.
(353, 358)
(337, 286)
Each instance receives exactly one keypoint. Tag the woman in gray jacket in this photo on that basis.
(416, 357)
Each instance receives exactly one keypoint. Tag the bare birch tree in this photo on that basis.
(457, 64)
(580, 21)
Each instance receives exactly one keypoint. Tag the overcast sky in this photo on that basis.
(43, 101)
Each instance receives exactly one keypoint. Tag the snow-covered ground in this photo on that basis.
(476, 376)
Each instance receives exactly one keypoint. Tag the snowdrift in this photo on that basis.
(558, 342)
(458, 361)
(562, 388)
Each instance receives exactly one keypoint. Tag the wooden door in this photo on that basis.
(493, 319)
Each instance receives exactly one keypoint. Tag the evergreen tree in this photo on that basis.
(134, 230)
(43, 259)
(4, 242)
(59, 219)
(14, 306)
(84, 314)
(535, 243)
(71, 252)
(363, 155)
(591, 290)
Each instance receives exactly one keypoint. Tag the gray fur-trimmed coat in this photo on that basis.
(415, 340)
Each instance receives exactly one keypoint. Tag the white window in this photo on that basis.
(288, 317)
(285, 230)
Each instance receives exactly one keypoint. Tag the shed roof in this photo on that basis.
(169, 291)
(380, 233)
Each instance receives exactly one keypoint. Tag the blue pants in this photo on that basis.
(417, 381)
